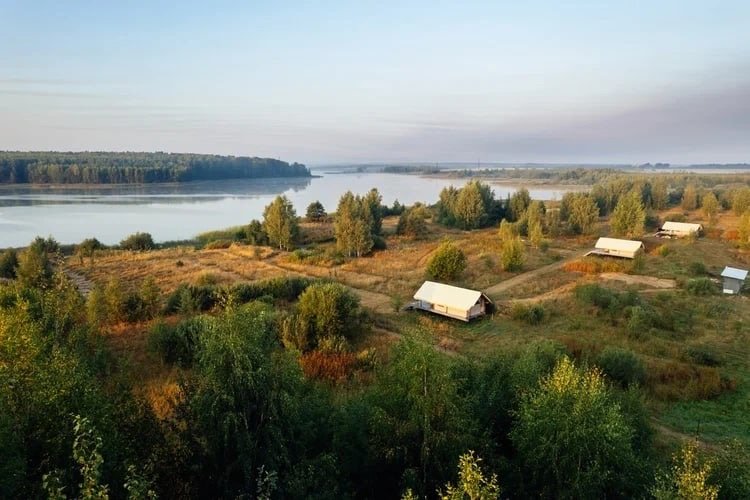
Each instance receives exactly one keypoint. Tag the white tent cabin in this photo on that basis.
(612, 247)
(679, 229)
(733, 280)
(451, 301)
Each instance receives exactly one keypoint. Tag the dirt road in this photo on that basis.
(495, 291)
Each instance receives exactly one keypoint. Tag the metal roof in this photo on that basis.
(684, 227)
(621, 245)
(447, 295)
(733, 272)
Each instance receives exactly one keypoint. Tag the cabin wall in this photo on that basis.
(732, 286)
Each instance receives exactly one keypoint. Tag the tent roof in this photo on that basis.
(447, 295)
(733, 272)
(681, 226)
(621, 245)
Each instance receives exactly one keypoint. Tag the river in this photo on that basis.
(181, 211)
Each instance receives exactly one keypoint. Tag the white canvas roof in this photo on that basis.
(684, 227)
(733, 272)
(447, 295)
(621, 245)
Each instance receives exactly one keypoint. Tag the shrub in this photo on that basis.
(255, 234)
(663, 250)
(596, 295)
(701, 286)
(447, 262)
(531, 314)
(697, 268)
(138, 241)
(218, 244)
(179, 263)
(640, 320)
(622, 366)
(176, 344)
(703, 355)
(379, 243)
(332, 367)
(283, 288)
(512, 255)
(328, 310)
(8, 263)
(187, 299)
(133, 308)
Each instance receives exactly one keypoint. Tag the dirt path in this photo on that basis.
(633, 279)
(494, 291)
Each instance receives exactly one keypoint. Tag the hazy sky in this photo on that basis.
(318, 81)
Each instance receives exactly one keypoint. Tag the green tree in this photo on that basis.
(373, 204)
(536, 236)
(583, 213)
(255, 234)
(138, 242)
(34, 269)
(280, 223)
(412, 222)
(151, 297)
(553, 222)
(512, 254)
(352, 226)
(315, 212)
(710, 207)
(87, 248)
(689, 198)
(659, 194)
(572, 438)
(507, 231)
(469, 211)
(472, 485)
(519, 202)
(741, 200)
(114, 298)
(629, 216)
(96, 307)
(447, 263)
(418, 419)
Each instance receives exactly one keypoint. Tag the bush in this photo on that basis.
(331, 367)
(512, 255)
(218, 244)
(640, 320)
(133, 308)
(8, 264)
(447, 262)
(187, 299)
(325, 310)
(531, 314)
(701, 286)
(697, 268)
(176, 344)
(138, 241)
(622, 366)
(230, 234)
(663, 250)
(284, 288)
(703, 355)
(379, 243)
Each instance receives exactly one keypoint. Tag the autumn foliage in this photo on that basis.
(332, 367)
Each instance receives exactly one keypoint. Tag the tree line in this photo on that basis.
(136, 168)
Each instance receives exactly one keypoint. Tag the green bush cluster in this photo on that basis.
(622, 366)
(701, 286)
(532, 314)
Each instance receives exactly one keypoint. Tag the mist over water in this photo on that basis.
(180, 211)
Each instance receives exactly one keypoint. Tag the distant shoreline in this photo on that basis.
(109, 185)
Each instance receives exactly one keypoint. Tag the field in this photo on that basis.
(695, 348)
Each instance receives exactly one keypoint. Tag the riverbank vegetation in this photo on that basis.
(136, 168)
(254, 368)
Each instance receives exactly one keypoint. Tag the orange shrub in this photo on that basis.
(732, 235)
(332, 367)
(673, 380)
(595, 266)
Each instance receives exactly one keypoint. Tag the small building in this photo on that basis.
(612, 247)
(679, 230)
(451, 301)
(733, 279)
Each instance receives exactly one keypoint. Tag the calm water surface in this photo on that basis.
(177, 212)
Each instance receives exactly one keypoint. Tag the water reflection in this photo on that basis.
(180, 211)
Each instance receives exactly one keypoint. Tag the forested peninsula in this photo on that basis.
(136, 168)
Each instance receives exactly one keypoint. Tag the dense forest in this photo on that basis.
(136, 168)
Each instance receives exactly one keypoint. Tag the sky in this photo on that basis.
(409, 81)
